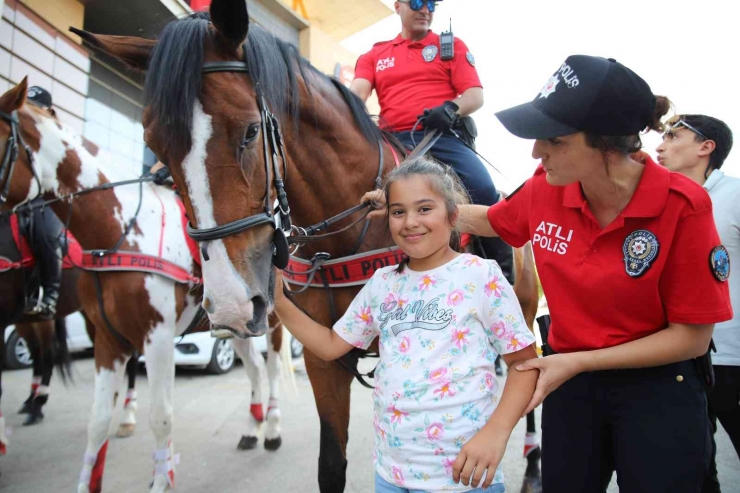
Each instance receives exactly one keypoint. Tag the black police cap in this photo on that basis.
(39, 96)
(586, 94)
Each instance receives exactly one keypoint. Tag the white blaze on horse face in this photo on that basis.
(223, 285)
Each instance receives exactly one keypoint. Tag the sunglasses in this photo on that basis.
(417, 5)
(676, 126)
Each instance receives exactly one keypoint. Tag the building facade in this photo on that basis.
(102, 100)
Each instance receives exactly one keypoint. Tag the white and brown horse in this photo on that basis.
(215, 130)
(135, 306)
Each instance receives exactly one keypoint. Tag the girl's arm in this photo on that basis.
(678, 342)
(485, 450)
(320, 340)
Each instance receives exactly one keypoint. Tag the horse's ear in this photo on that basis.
(15, 97)
(231, 20)
(132, 51)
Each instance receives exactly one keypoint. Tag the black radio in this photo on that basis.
(447, 44)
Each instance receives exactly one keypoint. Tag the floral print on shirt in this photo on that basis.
(439, 333)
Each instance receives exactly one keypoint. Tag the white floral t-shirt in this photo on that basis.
(435, 387)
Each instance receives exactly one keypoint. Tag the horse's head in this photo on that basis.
(17, 181)
(207, 127)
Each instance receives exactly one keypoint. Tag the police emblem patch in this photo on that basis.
(640, 249)
(470, 59)
(429, 52)
(719, 261)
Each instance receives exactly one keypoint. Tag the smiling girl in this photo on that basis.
(442, 318)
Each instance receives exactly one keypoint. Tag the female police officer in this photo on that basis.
(626, 254)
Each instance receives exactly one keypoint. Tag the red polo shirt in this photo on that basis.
(407, 83)
(593, 301)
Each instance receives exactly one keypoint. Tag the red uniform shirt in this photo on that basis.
(406, 83)
(593, 301)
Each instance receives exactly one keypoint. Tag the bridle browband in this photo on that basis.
(274, 151)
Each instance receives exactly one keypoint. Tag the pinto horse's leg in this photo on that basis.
(331, 389)
(160, 367)
(108, 375)
(128, 419)
(3, 437)
(533, 475)
(273, 439)
(253, 364)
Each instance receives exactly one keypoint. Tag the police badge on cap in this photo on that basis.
(640, 249)
(719, 261)
(429, 52)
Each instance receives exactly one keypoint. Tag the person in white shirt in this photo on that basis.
(697, 146)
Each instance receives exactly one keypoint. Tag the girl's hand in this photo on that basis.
(482, 454)
(555, 370)
(279, 296)
(377, 201)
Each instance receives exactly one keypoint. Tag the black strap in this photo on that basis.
(127, 346)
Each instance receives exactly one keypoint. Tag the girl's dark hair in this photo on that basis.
(629, 144)
(443, 180)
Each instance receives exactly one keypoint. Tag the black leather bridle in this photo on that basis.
(274, 151)
(10, 155)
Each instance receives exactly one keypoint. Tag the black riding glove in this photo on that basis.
(161, 175)
(441, 118)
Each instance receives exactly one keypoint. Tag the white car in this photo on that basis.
(193, 350)
(217, 356)
(18, 354)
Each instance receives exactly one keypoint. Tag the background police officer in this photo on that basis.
(697, 146)
(413, 76)
(44, 234)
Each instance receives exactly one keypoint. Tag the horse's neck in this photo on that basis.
(97, 219)
(332, 166)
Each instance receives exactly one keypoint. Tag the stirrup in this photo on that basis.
(35, 308)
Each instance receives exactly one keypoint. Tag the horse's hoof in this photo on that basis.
(532, 485)
(273, 444)
(33, 419)
(247, 443)
(126, 430)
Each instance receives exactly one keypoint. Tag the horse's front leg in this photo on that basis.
(253, 364)
(331, 385)
(273, 439)
(160, 368)
(108, 375)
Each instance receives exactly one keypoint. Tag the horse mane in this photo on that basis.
(173, 80)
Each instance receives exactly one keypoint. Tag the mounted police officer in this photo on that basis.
(421, 74)
(44, 232)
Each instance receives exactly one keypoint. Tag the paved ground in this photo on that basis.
(209, 416)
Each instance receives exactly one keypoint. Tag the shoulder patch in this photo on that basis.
(719, 262)
(469, 57)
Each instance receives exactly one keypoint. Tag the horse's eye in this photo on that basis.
(251, 133)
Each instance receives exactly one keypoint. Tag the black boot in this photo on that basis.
(50, 270)
(498, 250)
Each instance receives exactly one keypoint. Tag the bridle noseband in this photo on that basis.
(274, 151)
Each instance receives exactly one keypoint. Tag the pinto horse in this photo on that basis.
(216, 129)
(129, 291)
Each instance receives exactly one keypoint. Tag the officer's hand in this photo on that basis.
(377, 202)
(441, 118)
(480, 455)
(555, 370)
(161, 175)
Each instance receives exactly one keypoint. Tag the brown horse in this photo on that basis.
(212, 125)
